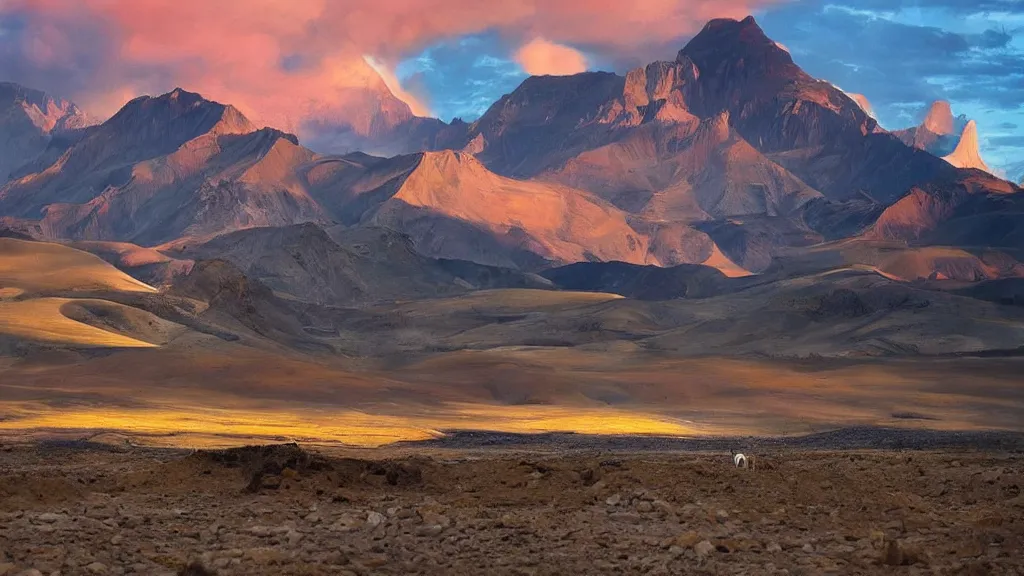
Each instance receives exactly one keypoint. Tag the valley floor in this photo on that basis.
(221, 397)
(79, 508)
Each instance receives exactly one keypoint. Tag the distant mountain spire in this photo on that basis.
(967, 154)
(940, 118)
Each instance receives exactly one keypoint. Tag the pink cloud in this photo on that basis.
(283, 62)
(539, 57)
(417, 106)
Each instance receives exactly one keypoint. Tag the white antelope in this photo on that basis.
(740, 460)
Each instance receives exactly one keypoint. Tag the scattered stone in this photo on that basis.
(431, 518)
(898, 553)
(629, 517)
(374, 519)
(663, 507)
(429, 530)
(704, 548)
(687, 539)
(767, 525)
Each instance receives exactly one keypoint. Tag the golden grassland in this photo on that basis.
(234, 395)
(346, 426)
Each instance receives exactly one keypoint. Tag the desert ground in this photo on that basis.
(494, 504)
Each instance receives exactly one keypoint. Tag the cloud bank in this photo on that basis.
(284, 62)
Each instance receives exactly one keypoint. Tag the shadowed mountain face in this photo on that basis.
(641, 282)
(348, 267)
(30, 121)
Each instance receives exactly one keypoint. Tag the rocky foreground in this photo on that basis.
(88, 509)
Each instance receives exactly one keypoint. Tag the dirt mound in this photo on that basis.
(265, 465)
(268, 467)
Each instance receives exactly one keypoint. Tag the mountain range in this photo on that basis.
(729, 152)
(722, 203)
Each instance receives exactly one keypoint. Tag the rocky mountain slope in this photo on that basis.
(163, 168)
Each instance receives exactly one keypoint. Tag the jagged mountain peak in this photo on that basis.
(739, 46)
(748, 26)
(967, 153)
(47, 112)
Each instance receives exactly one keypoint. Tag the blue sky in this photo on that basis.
(901, 54)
